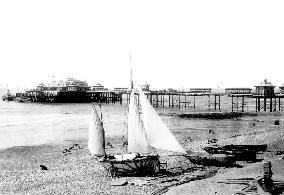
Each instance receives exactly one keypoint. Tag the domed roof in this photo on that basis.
(265, 83)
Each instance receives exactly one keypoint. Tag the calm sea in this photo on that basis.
(34, 123)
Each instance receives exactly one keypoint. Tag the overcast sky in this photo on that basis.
(172, 43)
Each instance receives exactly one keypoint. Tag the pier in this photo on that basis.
(195, 99)
(75, 97)
(162, 99)
(233, 100)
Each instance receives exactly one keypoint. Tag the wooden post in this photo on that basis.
(209, 102)
(151, 99)
(256, 104)
(163, 99)
(219, 102)
(179, 101)
(185, 101)
(279, 104)
(215, 102)
(271, 101)
(264, 104)
(243, 102)
(275, 104)
(237, 103)
(259, 104)
(232, 103)
(157, 98)
(267, 176)
(194, 101)
(172, 100)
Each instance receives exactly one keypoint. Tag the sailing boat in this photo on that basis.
(144, 134)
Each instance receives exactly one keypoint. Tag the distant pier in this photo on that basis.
(263, 98)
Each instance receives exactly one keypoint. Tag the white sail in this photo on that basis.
(158, 135)
(137, 141)
(96, 143)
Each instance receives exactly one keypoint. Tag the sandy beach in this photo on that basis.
(78, 172)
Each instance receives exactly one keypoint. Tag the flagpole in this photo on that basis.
(131, 79)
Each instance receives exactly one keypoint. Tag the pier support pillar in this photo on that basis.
(259, 104)
(157, 100)
(243, 102)
(271, 106)
(215, 102)
(232, 103)
(178, 101)
(194, 101)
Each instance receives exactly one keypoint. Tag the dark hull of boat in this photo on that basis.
(212, 160)
(241, 152)
(143, 165)
(256, 148)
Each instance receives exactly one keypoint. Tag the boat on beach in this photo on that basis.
(146, 133)
(219, 160)
(240, 152)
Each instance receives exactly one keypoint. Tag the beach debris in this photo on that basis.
(75, 147)
(125, 144)
(189, 139)
(252, 124)
(43, 167)
(139, 182)
(279, 152)
(169, 180)
(119, 182)
(212, 141)
(211, 131)
(109, 145)
(66, 151)
(160, 191)
(276, 122)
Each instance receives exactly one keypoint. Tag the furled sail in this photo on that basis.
(96, 143)
(137, 141)
(158, 135)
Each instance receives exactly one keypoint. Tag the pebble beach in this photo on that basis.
(64, 165)
(78, 172)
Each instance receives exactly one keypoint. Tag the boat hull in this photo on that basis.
(143, 165)
(241, 152)
(220, 160)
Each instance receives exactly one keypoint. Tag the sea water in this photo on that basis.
(23, 124)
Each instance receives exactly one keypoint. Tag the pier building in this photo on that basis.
(146, 87)
(281, 89)
(265, 89)
(69, 91)
(238, 91)
(98, 87)
(200, 91)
